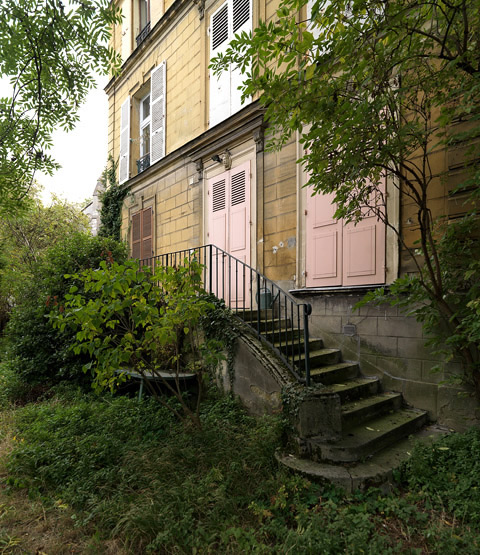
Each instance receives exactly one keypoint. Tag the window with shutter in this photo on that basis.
(124, 165)
(157, 110)
(142, 234)
(234, 16)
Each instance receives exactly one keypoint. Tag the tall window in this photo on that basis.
(233, 17)
(143, 20)
(150, 132)
(145, 126)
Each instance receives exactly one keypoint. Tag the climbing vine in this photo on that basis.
(112, 200)
(219, 324)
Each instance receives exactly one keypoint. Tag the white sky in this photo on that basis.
(82, 153)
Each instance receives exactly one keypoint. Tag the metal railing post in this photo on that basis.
(283, 338)
(210, 270)
(307, 310)
(258, 303)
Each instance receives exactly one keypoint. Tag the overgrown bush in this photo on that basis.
(130, 318)
(41, 353)
(141, 476)
(447, 474)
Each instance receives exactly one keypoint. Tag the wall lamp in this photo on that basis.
(225, 159)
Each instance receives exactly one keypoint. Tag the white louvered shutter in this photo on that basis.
(157, 110)
(124, 169)
(219, 85)
(241, 21)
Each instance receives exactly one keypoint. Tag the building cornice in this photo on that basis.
(248, 123)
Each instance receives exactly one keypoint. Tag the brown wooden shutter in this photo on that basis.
(136, 235)
(147, 233)
(142, 234)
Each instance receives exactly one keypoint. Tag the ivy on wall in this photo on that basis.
(112, 200)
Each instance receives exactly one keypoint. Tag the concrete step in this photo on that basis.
(367, 438)
(377, 471)
(266, 326)
(249, 315)
(320, 357)
(355, 389)
(360, 410)
(283, 335)
(296, 345)
(335, 373)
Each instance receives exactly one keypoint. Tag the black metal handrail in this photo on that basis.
(143, 163)
(274, 315)
(143, 34)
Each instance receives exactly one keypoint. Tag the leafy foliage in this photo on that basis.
(130, 318)
(139, 475)
(446, 474)
(41, 353)
(24, 238)
(377, 90)
(112, 201)
(50, 52)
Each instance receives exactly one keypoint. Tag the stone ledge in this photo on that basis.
(376, 471)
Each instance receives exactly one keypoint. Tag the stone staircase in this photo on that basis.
(347, 420)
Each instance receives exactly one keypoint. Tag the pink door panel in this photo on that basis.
(229, 229)
(323, 245)
(342, 255)
(239, 232)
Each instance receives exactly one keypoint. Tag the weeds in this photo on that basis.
(136, 476)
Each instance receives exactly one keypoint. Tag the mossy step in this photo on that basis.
(335, 373)
(360, 410)
(252, 315)
(354, 389)
(271, 325)
(377, 471)
(282, 335)
(290, 345)
(321, 357)
(367, 438)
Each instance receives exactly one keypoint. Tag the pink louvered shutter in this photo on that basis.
(239, 229)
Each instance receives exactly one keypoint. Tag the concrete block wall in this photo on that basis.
(392, 347)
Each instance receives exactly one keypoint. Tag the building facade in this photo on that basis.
(192, 157)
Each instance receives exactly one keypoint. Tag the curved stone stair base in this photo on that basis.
(348, 423)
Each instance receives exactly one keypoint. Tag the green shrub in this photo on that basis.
(41, 353)
(447, 474)
(159, 486)
(130, 318)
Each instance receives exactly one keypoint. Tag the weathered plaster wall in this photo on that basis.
(280, 214)
(257, 377)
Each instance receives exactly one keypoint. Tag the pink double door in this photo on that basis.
(229, 229)
(342, 255)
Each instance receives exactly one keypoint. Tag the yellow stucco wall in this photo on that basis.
(179, 206)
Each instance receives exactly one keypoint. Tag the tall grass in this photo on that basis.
(159, 486)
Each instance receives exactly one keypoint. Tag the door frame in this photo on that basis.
(392, 250)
